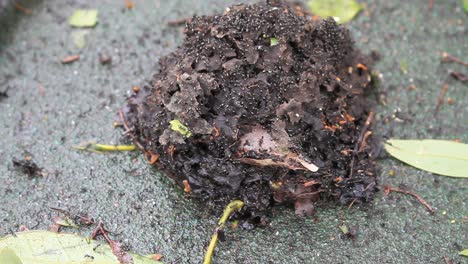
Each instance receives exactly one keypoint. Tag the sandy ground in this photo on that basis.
(51, 107)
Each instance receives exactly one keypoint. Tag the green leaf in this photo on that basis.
(83, 18)
(177, 126)
(442, 157)
(341, 10)
(47, 247)
(465, 251)
(465, 5)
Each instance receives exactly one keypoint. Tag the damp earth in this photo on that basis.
(263, 103)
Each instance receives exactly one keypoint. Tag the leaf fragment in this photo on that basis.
(83, 18)
(66, 222)
(443, 157)
(344, 229)
(404, 66)
(273, 41)
(177, 126)
(465, 251)
(80, 38)
(341, 10)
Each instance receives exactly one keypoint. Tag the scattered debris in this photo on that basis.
(105, 59)
(23, 228)
(388, 189)
(129, 4)
(233, 206)
(70, 59)
(187, 187)
(341, 10)
(236, 114)
(136, 89)
(349, 232)
(28, 167)
(4, 94)
(84, 18)
(156, 257)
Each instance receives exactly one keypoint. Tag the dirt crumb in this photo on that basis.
(28, 167)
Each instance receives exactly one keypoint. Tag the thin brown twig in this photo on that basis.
(369, 120)
(450, 58)
(440, 100)
(447, 260)
(100, 230)
(22, 8)
(129, 131)
(388, 189)
(459, 76)
(85, 220)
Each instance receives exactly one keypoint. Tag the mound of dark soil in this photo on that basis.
(263, 104)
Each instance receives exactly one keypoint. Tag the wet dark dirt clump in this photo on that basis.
(28, 167)
(262, 104)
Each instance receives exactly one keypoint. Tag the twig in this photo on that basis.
(447, 260)
(459, 76)
(21, 8)
(70, 59)
(84, 220)
(100, 148)
(116, 247)
(440, 100)
(388, 189)
(449, 58)
(369, 120)
(128, 130)
(233, 206)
